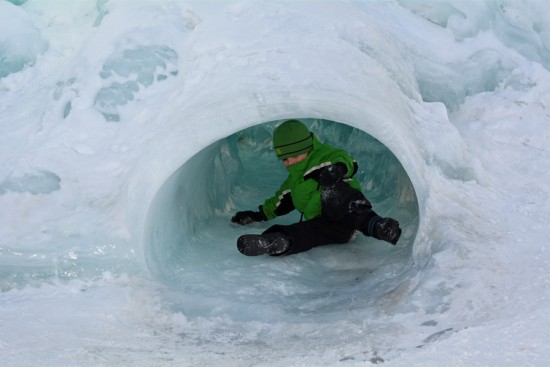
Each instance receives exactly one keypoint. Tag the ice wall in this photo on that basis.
(417, 133)
(136, 128)
(21, 51)
(139, 107)
(137, 102)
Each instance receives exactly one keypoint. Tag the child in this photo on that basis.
(320, 185)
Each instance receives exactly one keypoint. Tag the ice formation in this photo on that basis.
(132, 131)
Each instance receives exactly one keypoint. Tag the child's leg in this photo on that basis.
(345, 204)
(304, 236)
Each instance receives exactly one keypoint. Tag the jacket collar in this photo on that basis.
(300, 168)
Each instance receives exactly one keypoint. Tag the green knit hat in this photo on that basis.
(292, 138)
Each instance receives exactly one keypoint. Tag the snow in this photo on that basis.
(132, 131)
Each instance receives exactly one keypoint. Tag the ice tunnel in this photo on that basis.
(189, 242)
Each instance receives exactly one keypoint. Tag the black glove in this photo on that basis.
(248, 216)
(332, 174)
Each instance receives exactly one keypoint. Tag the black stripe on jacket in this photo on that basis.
(285, 204)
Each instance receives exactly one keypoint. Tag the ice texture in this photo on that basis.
(135, 68)
(39, 182)
(22, 50)
(17, 2)
(116, 246)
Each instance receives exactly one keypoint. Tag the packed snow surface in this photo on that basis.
(133, 130)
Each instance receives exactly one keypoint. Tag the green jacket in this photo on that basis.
(301, 190)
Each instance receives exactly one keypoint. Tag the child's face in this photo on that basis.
(293, 160)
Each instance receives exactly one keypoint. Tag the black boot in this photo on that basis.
(385, 229)
(260, 244)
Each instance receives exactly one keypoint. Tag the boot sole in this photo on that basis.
(255, 244)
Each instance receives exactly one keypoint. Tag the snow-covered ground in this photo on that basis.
(133, 130)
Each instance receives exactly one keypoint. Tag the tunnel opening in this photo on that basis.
(190, 243)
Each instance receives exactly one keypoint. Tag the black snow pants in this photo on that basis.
(344, 210)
